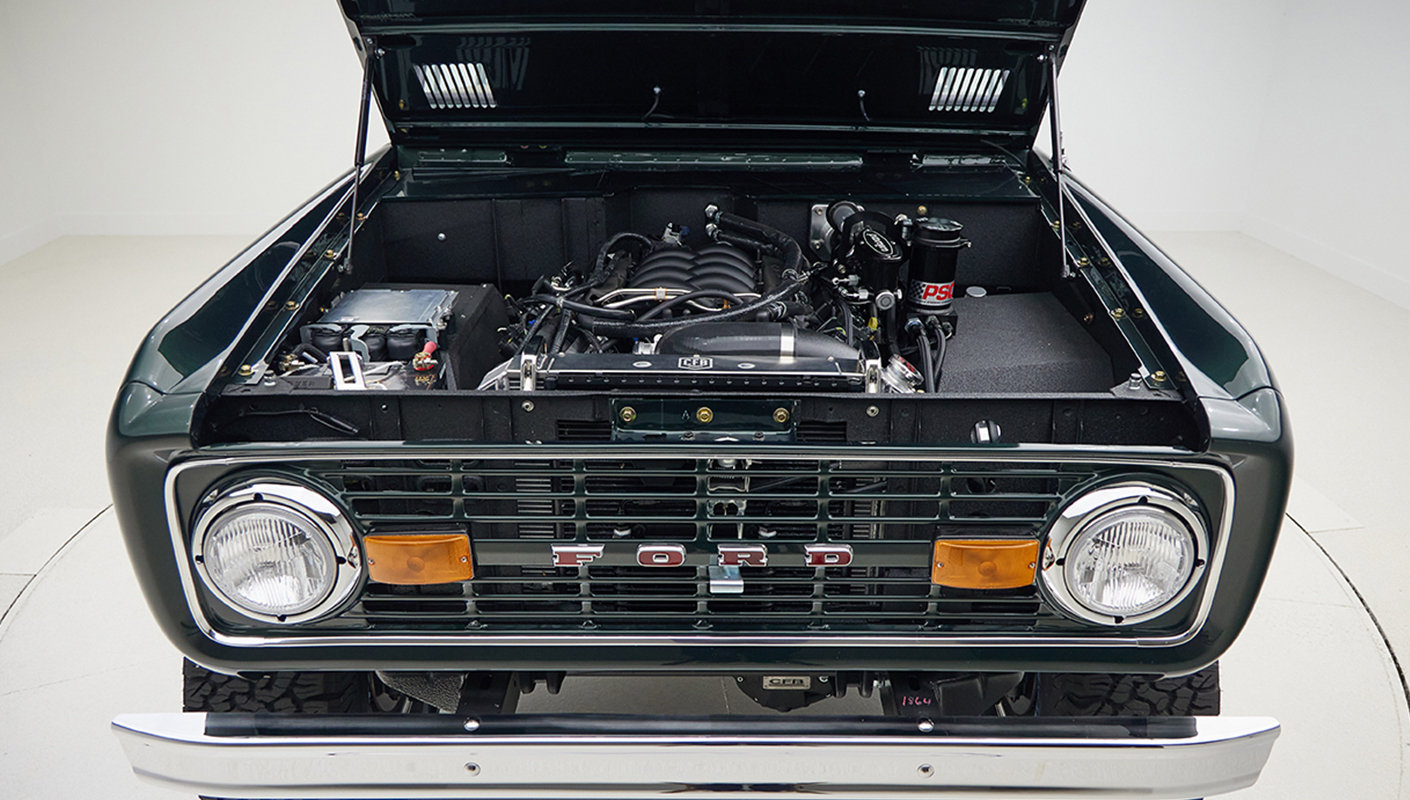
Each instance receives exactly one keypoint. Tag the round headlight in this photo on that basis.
(1124, 554)
(275, 551)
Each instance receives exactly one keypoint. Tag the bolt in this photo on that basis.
(396, 175)
(688, 436)
(1084, 262)
(473, 769)
(1138, 312)
(922, 210)
(440, 237)
(758, 436)
(1087, 319)
(739, 679)
(330, 254)
(1118, 313)
(291, 306)
(704, 415)
(1159, 376)
(873, 411)
(246, 370)
(780, 415)
(822, 679)
(472, 725)
(361, 217)
(818, 211)
(1056, 225)
(925, 726)
(926, 770)
(527, 405)
(627, 414)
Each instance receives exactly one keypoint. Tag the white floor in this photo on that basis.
(77, 644)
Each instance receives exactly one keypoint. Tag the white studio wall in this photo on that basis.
(1331, 180)
(1161, 106)
(169, 116)
(1276, 117)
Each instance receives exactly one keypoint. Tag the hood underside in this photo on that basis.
(888, 75)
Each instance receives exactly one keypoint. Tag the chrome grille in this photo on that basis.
(888, 512)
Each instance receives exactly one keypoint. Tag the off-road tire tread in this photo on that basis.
(280, 692)
(1075, 695)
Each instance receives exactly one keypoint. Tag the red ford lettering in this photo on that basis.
(660, 555)
(734, 555)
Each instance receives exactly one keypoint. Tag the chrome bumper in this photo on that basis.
(435, 756)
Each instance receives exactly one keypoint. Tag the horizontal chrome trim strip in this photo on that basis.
(1136, 458)
(173, 751)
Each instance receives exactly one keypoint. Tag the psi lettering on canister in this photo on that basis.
(935, 247)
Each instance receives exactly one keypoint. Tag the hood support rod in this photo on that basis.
(360, 155)
(1059, 165)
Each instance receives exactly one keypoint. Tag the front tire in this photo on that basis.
(280, 692)
(1065, 694)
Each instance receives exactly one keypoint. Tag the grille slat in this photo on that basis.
(515, 510)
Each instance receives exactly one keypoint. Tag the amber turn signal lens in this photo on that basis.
(418, 560)
(993, 564)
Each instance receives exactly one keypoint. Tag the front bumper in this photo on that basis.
(523, 756)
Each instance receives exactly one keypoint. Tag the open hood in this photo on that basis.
(884, 75)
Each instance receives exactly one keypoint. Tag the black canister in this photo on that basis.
(935, 249)
(328, 338)
(872, 251)
(403, 342)
(376, 341)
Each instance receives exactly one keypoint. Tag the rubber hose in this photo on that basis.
(927, 362)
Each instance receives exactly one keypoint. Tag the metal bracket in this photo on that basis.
(820, 232)
(528, 373)
(347, 370)
(725, 579)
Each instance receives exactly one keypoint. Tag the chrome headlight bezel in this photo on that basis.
(1097, 503)
(326, 518)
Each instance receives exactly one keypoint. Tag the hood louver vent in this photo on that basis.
(968, 89)
(455, 85)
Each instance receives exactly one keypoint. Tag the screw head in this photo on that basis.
(1138, 312)
(704, 415)
(527, 405)
(627, 414)
(472, 725)
(922, 210)
(925, 770)
(925, 726)
(245, 371)
(330, 254)
(873, 411)
(780, 415)
(291, 306)
(1118, 313)
(473, 769)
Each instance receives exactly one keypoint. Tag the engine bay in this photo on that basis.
(872, 307)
